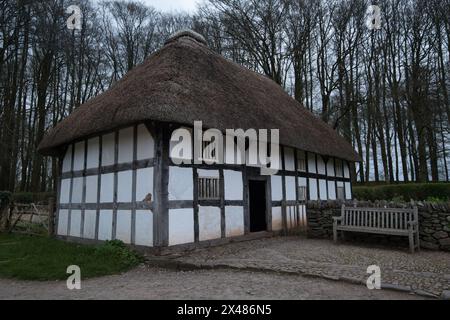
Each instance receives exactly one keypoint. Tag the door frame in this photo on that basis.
(253, 176)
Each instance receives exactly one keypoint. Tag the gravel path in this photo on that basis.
(425, 273)
(150, 283)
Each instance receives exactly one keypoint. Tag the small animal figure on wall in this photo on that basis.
(148, 198)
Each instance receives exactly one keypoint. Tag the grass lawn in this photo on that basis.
(42, 258)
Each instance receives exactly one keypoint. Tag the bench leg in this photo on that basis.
(418, 240)
(411, 242)
(335, 236)
(343, 235)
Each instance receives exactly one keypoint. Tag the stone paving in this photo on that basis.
(426, 273)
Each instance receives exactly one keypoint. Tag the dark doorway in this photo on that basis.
(257, 191)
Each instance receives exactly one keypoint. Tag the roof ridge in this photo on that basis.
(188, 33)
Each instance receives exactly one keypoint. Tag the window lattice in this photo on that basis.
(208, 188)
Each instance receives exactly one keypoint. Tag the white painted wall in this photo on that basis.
(277, 219)
(181, 226)
(181, 184)
(93, 153)
(144, 228)
(144, 183)
(126, 145)
(312, 163)
(277, 188)
(346, 170)
(78, 157)
(77, 192)
(145, 144)
(67, 162)
(105, 225)
(330, 168)
(75, 223)
(234, 221)
(108, 149)
(65, 191)
(313, 189)
(91, 189)
(90, 217)
(123, 229)
(125, 186)
(63, 218)
(107, 188)
(289, 159)
(331, 190)
(323, 190)
(321, 165)
(208, 173)
(348, 191)
(291, 191)
(209, 223)
(234, 188)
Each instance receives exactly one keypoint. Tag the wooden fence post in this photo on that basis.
(51, 217)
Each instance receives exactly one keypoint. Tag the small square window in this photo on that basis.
(208, 188)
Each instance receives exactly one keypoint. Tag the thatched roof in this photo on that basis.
(186, 81)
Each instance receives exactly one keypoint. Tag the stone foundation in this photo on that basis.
(434, 222)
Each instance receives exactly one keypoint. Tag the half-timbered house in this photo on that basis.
(118, 180)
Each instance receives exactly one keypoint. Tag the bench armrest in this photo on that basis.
(337, 219)
(413, 223)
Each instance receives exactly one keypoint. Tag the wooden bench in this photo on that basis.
(396, 222)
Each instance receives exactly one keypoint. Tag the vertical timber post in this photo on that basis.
(51, 217)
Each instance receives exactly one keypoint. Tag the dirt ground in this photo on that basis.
(146, 282)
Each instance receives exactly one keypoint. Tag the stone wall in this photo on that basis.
(434, 222)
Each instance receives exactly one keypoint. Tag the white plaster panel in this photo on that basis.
(330, 167)
(181, 185)
(323, 190)
(233, 185)
(234, 221)
(65, 191)
(340, 184)
(208, 173)
(321, 165)
(124, 186)
(331, 190)
(108, 149)
(209, 223)
(105, 225)
(90, 217)
(144, 228)
(123, 226)
(144, 183)
(63, 218)
(301, 155)
(348, 191)
(346, 170)
(145, 144)
(181, 226)
(75, 223)
(277, 188)
(67, 162)
(126, 145)
(277, 219)
(313, 189)
(302, 182)
(291, 190)
(93, 153)
(77, 192)
(78, 157)
(312, 163)
(107, 188)
(289, 159)
(91, 189)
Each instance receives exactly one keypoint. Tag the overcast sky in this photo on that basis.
(172, 5)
